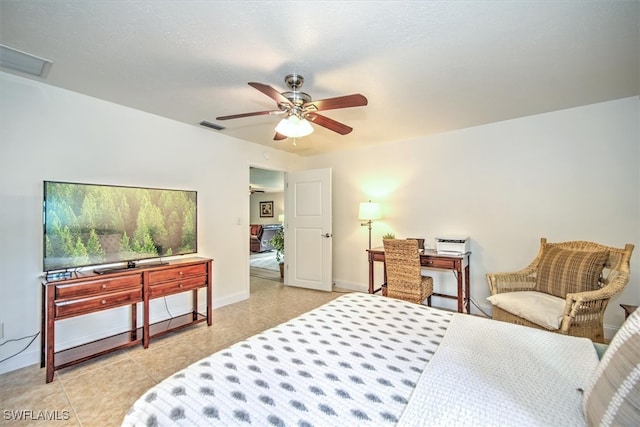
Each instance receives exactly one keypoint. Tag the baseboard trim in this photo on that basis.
(352, 286)
(610, 331)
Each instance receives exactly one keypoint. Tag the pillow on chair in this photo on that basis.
(612, 396)
(563, 271)
(537, 307)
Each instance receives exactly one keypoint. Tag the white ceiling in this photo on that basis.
(268, 181)
(425, 66)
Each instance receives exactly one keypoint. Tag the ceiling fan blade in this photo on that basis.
(279, 137)
(328, 123)
(270, 92)
(257, 113)
(254, 190)
(347, 101)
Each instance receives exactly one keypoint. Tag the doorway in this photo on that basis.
(266, 219)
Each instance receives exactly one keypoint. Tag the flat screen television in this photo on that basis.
(92, 225)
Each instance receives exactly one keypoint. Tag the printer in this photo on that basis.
(452, 245)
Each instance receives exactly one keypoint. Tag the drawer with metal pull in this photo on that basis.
(77, 306)
(436, 262)
(177, 273)
(177, 286)
(98, 287)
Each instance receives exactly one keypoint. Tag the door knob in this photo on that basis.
(327, 235)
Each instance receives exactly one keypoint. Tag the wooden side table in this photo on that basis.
(628, 309)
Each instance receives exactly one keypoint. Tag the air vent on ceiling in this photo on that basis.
(211, 125)
(17, 60)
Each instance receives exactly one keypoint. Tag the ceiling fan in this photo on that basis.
(300, 109)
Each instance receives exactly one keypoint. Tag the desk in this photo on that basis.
(430, 259)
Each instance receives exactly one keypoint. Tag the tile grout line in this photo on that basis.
(73, 408)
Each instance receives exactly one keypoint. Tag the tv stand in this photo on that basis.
(90, 292)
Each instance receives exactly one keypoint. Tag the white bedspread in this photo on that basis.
(367, 360)
(499, 374)
(354, 361)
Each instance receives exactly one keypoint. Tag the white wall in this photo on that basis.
(52, 134)
(566, 175)
(278, 207)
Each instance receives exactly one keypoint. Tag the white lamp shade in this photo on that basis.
(369, 211)
(294, 127)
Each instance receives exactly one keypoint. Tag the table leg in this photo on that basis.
(370, 274)
(50, 336)
(43, 326)
(383, 289)
(194, 304)
(461, 295)
(467, 292)
(134, 322)
(145, 310)
(209, 301)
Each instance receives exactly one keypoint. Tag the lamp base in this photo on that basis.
(367, 224)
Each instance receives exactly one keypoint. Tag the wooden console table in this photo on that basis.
(430, 259)
(88, 292)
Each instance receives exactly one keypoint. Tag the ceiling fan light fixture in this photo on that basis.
(294, 127)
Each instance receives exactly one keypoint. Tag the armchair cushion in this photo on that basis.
(537, 307)
(255, 230)
(562, 271)
(612, 396)
(255, 236)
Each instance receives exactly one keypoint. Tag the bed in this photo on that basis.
(370, 360)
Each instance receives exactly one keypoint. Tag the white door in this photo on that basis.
(308, 229)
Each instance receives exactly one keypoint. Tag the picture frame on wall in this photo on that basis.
(266, 209)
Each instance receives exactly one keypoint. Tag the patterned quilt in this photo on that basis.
(367, 360)
(353, 361)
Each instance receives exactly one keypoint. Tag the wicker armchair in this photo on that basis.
(559, 274)
(404, 281)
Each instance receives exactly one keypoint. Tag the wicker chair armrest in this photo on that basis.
(524, 280)
(582, 306)
(587, 296)
(606, 292)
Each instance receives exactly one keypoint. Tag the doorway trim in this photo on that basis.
(248, 213)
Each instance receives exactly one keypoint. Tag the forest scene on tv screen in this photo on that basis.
(88, 224)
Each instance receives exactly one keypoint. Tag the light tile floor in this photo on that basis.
(100, 392)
